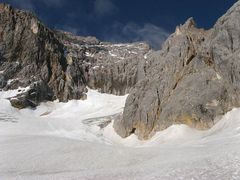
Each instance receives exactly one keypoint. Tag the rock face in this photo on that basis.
(110, 68)
(30, 52)
(192, 80)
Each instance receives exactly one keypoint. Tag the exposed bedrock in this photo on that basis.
(193, 79)
(110, 68)
(30, 52)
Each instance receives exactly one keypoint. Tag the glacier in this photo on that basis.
(76, 140)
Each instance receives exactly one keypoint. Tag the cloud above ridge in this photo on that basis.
(132, 32)
(104, 7)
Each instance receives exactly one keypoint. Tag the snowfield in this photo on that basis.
(76, 140)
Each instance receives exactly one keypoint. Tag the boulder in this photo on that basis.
(38, 92)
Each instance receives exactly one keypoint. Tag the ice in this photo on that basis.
(218, 76)
(89, 54)
(64, 141)
(10, 93)
(111, 54)
(145, 56)
(134, 52)
(11, 80)
(96, 67)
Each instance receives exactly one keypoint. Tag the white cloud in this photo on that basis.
(150, 33)
(104, 7)
(70, 29)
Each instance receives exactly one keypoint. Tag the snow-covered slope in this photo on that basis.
(75, 140)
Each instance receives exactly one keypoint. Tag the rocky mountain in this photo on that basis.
(60, 65)
(193, 79)
(110, 68)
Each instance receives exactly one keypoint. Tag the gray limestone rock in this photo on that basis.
(31, 52)
(110, 68)
(192, 80)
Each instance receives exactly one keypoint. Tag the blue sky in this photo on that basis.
(124, 20)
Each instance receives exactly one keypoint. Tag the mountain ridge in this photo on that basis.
(192, 80)
(194, 83)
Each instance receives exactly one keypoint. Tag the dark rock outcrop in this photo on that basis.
(3, 81)
(37, 93)
(30, 52)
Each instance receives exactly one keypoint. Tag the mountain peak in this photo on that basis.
(4, 7)
(189, 23)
